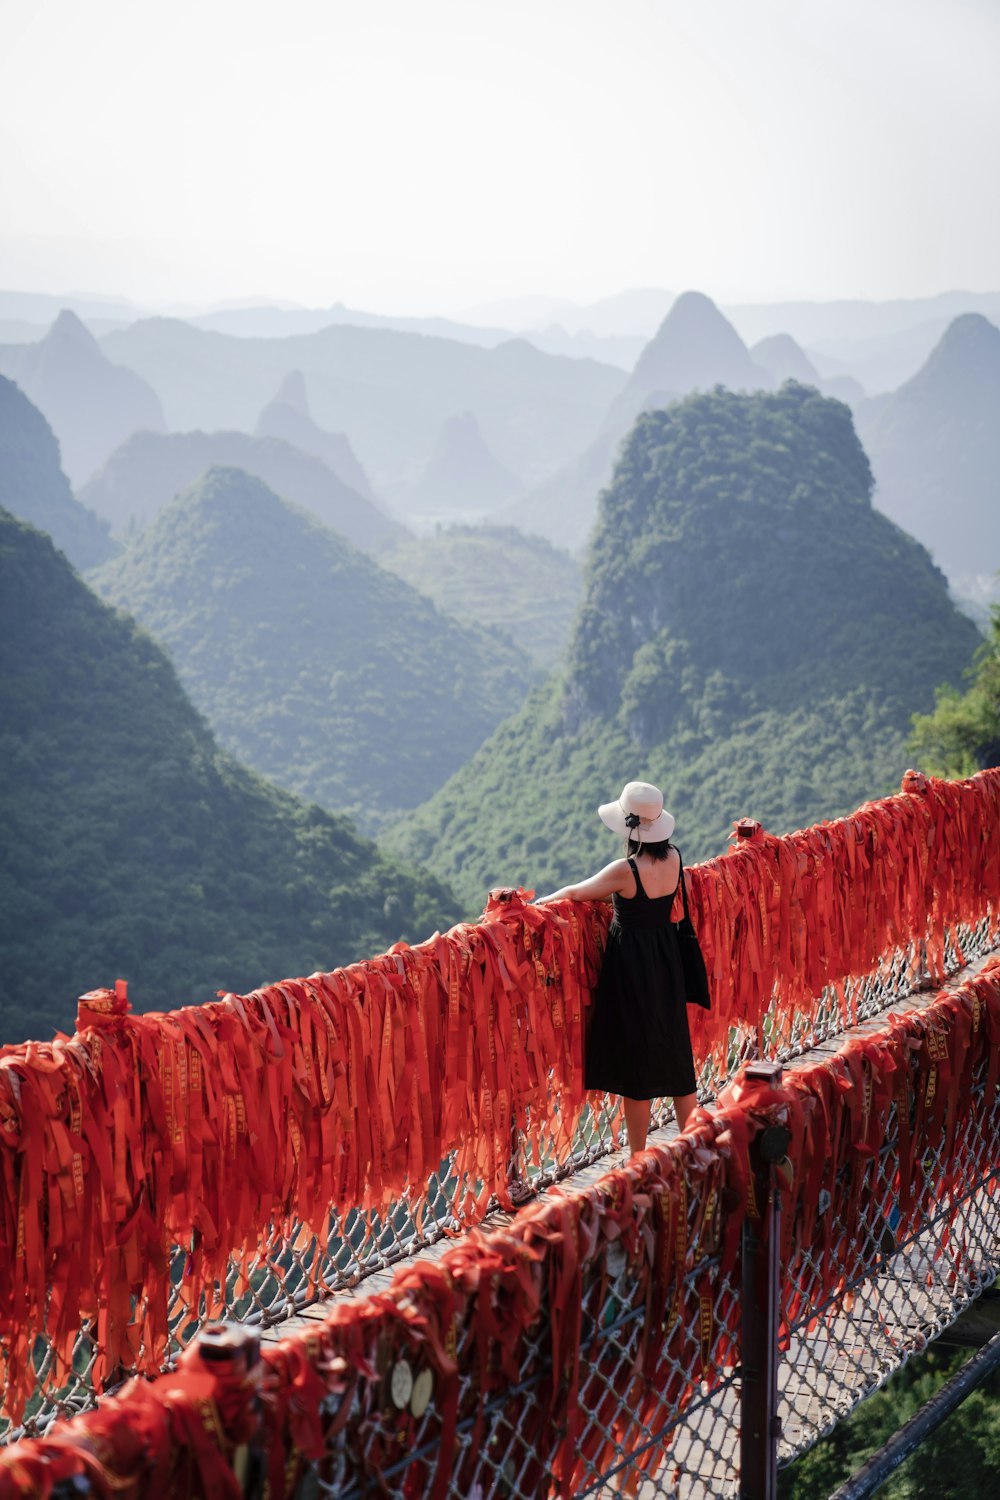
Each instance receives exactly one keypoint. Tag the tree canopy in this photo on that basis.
(962, 735)
(753, 638)
(133, 847)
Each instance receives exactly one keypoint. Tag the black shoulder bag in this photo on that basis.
(692, 961)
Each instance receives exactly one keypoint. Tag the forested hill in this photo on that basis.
(313, 664)
(34, 487)
(133, 847)
(753, 637)
(147, 471)
(515, 586)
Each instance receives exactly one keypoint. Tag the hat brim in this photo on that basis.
(654, 833)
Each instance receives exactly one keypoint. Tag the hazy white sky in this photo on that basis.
(422, 155)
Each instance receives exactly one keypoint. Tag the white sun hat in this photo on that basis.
(638, 814)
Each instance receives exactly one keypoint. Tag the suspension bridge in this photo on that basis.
(438, 1273)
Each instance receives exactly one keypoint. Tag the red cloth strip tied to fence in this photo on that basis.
(215, 1127)
(779, 919)
(676, 1211)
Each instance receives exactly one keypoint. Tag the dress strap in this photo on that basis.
(640, 890)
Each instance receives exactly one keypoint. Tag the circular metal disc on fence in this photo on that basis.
(401, 1383)
(423, 1390)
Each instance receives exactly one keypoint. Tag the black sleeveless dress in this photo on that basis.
(638, 1043)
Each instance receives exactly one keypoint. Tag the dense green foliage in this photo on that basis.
(960, 1461)
(34, 487)
(962, 735)
(739, 539)
(313, 664)
(753, 639)
(496, 577)
(133, 847)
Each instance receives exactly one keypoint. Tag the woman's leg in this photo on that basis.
(636, 1122)
(684, 1107)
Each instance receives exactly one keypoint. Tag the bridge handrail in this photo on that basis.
(519, 1320)
(250, 1122)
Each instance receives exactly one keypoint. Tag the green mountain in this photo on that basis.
(497, 577)
(133, 846)
(695, 348)
(34, 487)
(390, 392)
(92, 403)
(146, 472)
(935, 449)
(313, 664)
(753, 637)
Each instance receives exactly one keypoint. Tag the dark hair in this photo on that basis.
(655, 851)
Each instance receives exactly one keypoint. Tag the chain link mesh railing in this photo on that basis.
(632, 1404)
(295, 1266)
(297, 1269)
(899, 1283)
(898, 1279)
(593, 1346)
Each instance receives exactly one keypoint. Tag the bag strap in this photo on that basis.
(680, 882)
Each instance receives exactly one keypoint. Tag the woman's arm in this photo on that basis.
(600, 887)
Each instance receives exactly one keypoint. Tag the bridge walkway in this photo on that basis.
(827, 1370)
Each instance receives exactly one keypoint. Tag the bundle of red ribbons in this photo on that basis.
(676, 1212)
(217, 1127)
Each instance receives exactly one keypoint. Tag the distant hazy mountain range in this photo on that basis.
(147, 471)
(278, 322)
(390, 392)
(695, 348)
(133, 847)
(314, 665)
(92, 403)
(451, 431)
(784, 359)
(461, 477)
(34, 488)
(879, 344)
(636, 313)
(753, 637)
(289, 418)
(935, 448)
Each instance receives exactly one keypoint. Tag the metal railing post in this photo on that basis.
(760, 1425)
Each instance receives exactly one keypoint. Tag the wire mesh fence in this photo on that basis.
(296, 1268)
(902, 1276)
(594, 1345)
(627, 1416)
(899, 1246)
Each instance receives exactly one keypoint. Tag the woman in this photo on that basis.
(638, 1044)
